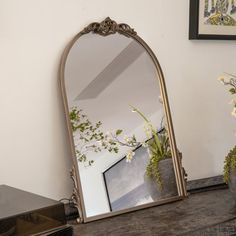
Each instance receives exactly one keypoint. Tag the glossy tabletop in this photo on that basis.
(23, 213)
(14, 202)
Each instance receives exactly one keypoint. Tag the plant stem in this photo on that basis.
(156, 138)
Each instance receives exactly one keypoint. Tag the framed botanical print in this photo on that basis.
(212, 19)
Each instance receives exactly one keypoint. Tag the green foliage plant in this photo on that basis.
(229, 164)
(230, 160)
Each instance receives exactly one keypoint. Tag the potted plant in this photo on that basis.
(230, 160)
(159, 176)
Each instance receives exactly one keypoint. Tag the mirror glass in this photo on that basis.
(118, 123)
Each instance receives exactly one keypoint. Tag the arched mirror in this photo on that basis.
(122, 140)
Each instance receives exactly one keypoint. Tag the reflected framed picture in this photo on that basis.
(212, 19)
(125, 183)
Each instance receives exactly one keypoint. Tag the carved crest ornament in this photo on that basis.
(108, 27)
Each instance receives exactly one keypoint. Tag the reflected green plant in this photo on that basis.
(89, 137)
(157, 145)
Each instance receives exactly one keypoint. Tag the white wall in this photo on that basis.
(34, 152)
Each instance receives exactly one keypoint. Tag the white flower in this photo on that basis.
(126, 138)
(234, 112)
(221, 79)
(108, 136)
(146, 128)
(108, 133)
(160, 99)
(129, 156)
(233, 101)
(99, 142)
(147, 131)
(144, 144)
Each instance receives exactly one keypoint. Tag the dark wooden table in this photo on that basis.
(205, 214)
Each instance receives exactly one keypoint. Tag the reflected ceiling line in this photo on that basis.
(123, 60)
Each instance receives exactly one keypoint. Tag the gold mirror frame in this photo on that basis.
(106, 28)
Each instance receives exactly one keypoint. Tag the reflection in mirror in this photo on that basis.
(118, 123)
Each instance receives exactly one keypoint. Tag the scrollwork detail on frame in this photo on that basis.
(184, 173)
(75, 197)
(108, 27)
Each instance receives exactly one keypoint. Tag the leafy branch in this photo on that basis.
(89, 137)
(230, 82)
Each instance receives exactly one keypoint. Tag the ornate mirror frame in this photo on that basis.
(106, 28)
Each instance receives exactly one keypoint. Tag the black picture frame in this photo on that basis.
(194, 25)
(127, 199)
